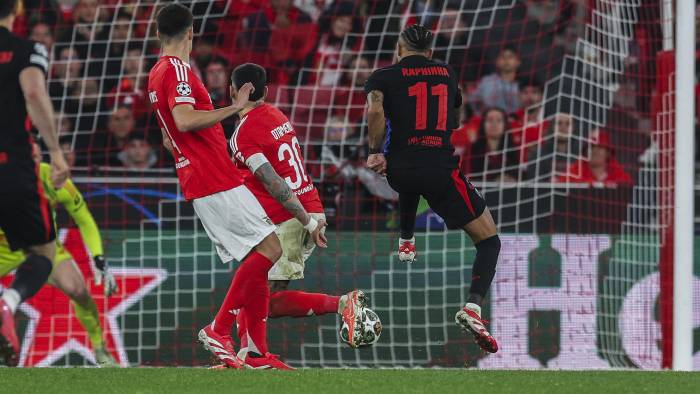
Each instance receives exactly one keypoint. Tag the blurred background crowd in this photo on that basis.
(318, 54)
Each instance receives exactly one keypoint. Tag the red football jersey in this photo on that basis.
(266, 130)
(201, 159)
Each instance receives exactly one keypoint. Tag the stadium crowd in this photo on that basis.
(318, 54)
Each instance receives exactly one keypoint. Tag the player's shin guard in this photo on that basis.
(484, 268)
(300, 304)
(31, 276)
(248, 282)
(90, 320)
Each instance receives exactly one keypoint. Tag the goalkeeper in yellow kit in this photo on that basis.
(65, 274)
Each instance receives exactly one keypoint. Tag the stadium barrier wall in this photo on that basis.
(545, 305)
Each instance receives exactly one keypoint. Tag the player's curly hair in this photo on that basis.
(417, 38)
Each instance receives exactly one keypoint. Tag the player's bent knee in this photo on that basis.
(31, 275)
(493, 244)
(482, 227)
(78, 293)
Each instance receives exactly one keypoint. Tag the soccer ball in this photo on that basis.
(367, 331)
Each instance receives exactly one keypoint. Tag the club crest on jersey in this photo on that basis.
(183, 89)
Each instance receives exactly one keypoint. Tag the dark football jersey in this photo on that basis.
(421, 100)
(16, 54)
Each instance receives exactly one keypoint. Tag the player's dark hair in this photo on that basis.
(418, 38)
(7, 7)
(253, 73)
(174, 20)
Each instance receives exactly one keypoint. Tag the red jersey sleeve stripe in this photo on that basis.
(180, 70)
(234, 137)
(177, 70)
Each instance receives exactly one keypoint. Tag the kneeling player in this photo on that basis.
(266, 148)
(65, 274)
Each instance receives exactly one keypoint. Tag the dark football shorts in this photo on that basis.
(25, 215)
(447, 191)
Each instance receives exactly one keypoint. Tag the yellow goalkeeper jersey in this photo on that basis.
(69, 196)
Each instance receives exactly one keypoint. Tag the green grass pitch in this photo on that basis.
(311, 381)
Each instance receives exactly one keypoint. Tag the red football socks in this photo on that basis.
(300, 304)
(292, 304)
(249, 290)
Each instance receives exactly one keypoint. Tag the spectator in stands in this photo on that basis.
(121, 125)
(554, 153)
(88, 119)
(492, 155)
(216, 79)
(203, 50)
(280, 37)
(602, 169)
(528, 122)
(338, 20)
(85, 29)
(106, 146)
(118, 37)
(451, 42)
(131, 89)
(552, 15)
(499, 89)
(137, 153)
(66, 71)
(42, 32)
(133, 61)
(350, 103)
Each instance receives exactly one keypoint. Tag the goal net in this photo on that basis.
(566, 127)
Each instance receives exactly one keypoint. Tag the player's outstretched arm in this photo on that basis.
(72, 200)
(189, 119)
(376, 124)
(279, 189)
(40, 111)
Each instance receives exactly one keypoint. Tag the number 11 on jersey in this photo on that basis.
(420, 91)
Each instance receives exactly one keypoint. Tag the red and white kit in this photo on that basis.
(265, 135)
(207, 175)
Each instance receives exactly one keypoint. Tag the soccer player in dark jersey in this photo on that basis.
(412, 110)
(24, 210)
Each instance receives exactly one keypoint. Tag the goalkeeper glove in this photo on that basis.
(102, 275)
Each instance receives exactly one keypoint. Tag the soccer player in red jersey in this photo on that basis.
(266, 149)
(232, 217)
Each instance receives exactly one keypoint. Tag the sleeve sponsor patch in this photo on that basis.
(39, 61)
(40, 49)
(189, 100)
